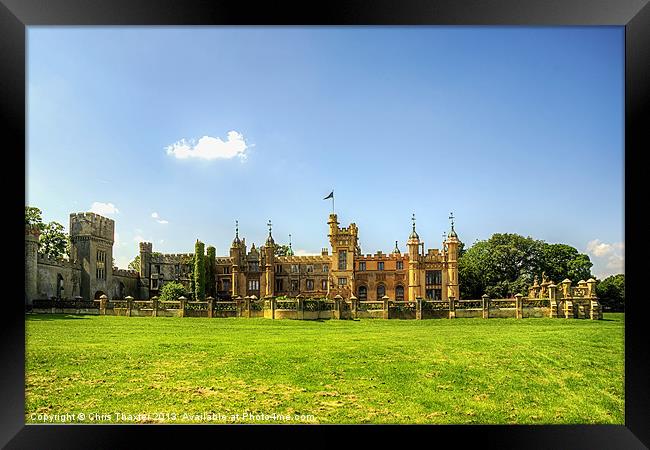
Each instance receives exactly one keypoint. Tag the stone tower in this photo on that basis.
(344, 243)
(269, 266)
(32, 234)
(91, 238)
(237, 252)
(413, 245)
(452, 262)
(145, 269)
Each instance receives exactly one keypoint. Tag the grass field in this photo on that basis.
(193, 370)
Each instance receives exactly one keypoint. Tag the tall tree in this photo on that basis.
(53, 242)
(135, 264)
(199, 270)
(281, 250)
(210, 269)
(506, 264)
(611, 292)
(33, 217)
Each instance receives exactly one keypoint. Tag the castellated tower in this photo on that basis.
(413, 245)
(452, 263)
(32, 234)
(91, 238)
(237, 254)
(146, 248)
(269, 266)
(344, 243)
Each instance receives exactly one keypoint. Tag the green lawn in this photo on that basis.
(506, 371)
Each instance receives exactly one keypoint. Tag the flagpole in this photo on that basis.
(333, 203)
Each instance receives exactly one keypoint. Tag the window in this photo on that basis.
(433, 277)
(279, 285)
(278, 268)
(326, 268)
(157, 268)
(380, 265)
(253, 266)
(434, 294)
(343, 281)
(295, 285)
(177, 268)
(310, 285)
(343, 259)
(310, 268)
(226, 285)
(381, 291)
(154, 284)
(253, 285)
(400, 265)
(324, 285)
(362, 293)
(100, 271)
(399, 293)
(226, 270)
(362, 266)
(294, 268)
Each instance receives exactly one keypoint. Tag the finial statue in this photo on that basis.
(535, 281)
(544, 279)
(269, 225)
(237, 228)
(451, 217)
(413, 219)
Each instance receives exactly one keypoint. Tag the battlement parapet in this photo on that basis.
(379, 256)
(91, 224)
(303, 259)
(125, 273)
(146, 247)
(57, 262)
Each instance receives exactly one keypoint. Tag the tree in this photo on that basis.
(53, 242)
(611, 292)
(281, 250)
(135, 264)
(33, 217)
(199, 270)
(172, 290)
(506, 264)
(210, 268)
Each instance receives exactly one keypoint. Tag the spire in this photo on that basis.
(396, 251)
(414, 235)
(236, 241)
(269, 240)
(290, 251)
(452, 233)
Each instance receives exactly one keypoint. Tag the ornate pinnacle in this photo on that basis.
(451, 217)
(413, 219)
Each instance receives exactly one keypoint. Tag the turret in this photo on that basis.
(91, 239)
(32, 234)
(413, 245)
(452, 244)
(269, 258)
(146, 248)
(236, 250)
(344, 243)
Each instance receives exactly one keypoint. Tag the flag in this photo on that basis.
(329, 196)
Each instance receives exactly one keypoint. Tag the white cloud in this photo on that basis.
(209, 147)
(158, 219)
(607, 257)
(103, 208)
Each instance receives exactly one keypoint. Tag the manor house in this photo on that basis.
(340, 269)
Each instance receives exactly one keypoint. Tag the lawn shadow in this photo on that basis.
(47, 317)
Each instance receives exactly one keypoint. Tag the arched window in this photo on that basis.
(399, 293)
(59, 286)
(381, 291)
(120, 290)
(362, 293)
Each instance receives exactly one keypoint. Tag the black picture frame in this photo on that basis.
(634, 15)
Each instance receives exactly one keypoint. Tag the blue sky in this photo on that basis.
(177, 132)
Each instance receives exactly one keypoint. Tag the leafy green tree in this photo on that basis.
(611, 292)
(210, 269)
(506, 264)
(199, 270)
(33, 217)
(53, 242)
(172, 290)
(281, 250)
(135, 264)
